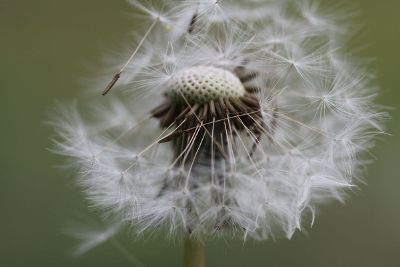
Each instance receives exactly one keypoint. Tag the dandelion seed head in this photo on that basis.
(245, 117)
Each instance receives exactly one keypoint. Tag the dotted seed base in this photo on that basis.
(199, 85)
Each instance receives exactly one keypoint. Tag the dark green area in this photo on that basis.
(44, 48)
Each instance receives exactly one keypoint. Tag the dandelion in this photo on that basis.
(243, 117)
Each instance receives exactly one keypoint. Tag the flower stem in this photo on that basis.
(194, 253)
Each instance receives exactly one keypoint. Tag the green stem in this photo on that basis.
(194, 253)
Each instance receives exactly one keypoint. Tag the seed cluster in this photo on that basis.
(213, 102)
(262, 119)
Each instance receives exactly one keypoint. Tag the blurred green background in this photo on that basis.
(44, 48)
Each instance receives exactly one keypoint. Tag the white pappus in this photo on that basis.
(243, 117)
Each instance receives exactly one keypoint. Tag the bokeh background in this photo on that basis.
(44, 48)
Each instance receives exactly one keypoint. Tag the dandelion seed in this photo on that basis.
(118, 75)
